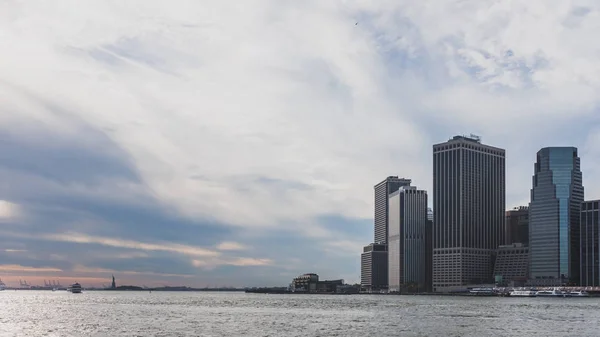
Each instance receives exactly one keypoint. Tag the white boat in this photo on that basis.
(581, 293)
(523, 293)
(75, 288)
(482, 292)
(553, 293)
(2, 285)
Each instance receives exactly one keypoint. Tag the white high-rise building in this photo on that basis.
(406, 240)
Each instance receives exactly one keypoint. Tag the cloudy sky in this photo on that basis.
(237, 143)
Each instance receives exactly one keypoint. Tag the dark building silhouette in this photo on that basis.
(554, 217)
(113, 285)
(517, 226)
(590, 245)
(429, 251)
(374, 268)
(468, 219)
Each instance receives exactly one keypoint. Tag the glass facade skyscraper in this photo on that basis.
(554, 216)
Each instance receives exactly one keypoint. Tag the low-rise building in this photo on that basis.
(512, 264)
(374, 268)
(309, 283)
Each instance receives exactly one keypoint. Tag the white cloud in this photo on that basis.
(8, 210)
(15, 268)
(229, 245)
(270, 113)
(144, 246)
(237, 261)
(15, 250)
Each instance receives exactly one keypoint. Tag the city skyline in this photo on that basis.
(240, 146)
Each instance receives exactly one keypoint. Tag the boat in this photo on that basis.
(2, 285)
(482, 292)
(523, 293)
(75, 288)
(581, 293)
(553, 293)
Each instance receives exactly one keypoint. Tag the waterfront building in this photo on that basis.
(554, 217)
(310, 283)
(382, 191)
(374, 268)
(406, 241)
(512, 264)
(590, 245)
(468, 218)
(516, 228)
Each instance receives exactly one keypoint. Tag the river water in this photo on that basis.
(100, 313)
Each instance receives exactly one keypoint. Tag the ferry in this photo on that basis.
(523, 293)
(553, 293)
(2, 285)
(75, 288)
(581, 293)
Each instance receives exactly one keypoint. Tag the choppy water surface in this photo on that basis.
(45, 313)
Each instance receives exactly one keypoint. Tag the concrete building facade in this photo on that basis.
(469, 211)
(590, 245)
(554, 217)
(406, 241)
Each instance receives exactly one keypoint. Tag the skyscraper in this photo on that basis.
(406, 242)
(429, 251)
(554, 214)
(590, 244)
(382, 191)
(468, 215)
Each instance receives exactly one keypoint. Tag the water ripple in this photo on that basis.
(38, 313)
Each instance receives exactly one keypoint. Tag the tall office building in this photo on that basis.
(382, 191)
(374, 268)
(429, 251)
(468, 215)
(516, 228)
(554, 214)
(406, 241)
(590, 245)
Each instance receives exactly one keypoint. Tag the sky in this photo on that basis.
(236, 143)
